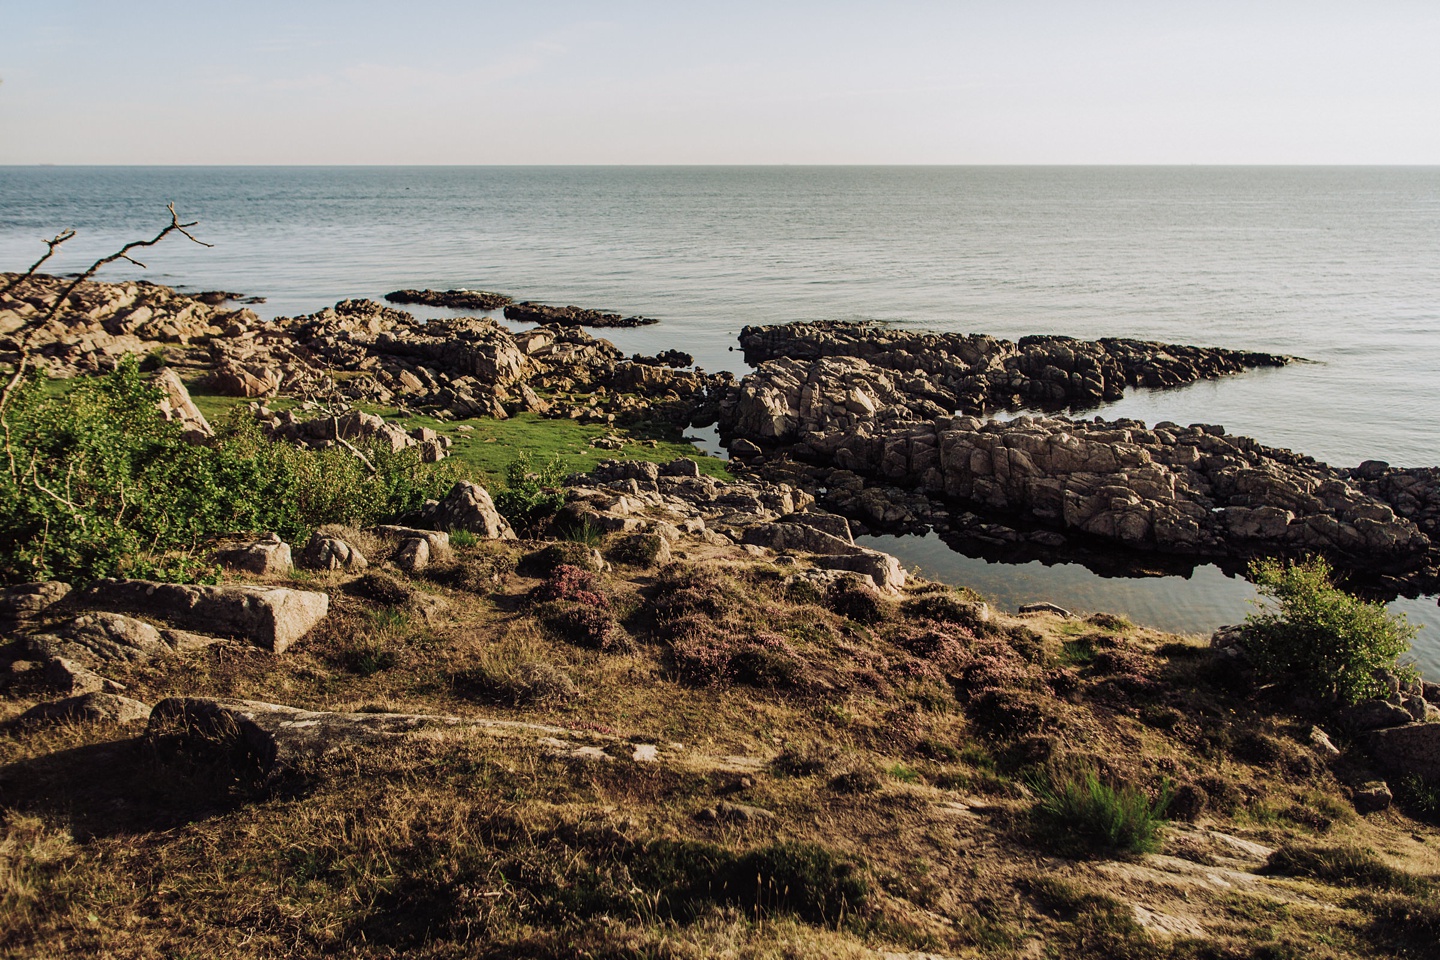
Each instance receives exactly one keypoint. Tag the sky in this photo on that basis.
(536, 82)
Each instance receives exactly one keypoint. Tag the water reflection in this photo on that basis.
(1196, 602)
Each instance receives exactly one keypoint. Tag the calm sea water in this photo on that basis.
(1338, 265)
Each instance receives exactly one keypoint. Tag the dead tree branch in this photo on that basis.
(52, 245)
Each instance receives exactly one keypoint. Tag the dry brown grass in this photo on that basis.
(901, 746)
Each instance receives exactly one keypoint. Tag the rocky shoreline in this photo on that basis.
(881, 425)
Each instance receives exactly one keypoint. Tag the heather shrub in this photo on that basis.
(567, 582)
(584, 624)
(1319, 638)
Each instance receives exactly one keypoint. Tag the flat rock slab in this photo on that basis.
(269, 617)
(25, 600)
(271, 736)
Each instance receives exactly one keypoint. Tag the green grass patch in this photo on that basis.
(1076, 810)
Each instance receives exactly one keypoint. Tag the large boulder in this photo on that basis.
(884, 569)
(176, 405)
(468, 507)
(269, 617)
(102, 638)
(1411, 748)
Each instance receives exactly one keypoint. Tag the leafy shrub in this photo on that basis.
(857, 602)
(532, 492)
(103, 486)
(1076, 808)
(1321, 638)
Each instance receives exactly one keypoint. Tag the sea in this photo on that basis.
(1338, 265)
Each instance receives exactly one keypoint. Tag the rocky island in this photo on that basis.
(666, 706)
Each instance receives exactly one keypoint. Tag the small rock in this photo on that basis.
(1322, 743)
(1045, 606)
(468, 507)
(331, 553)
(725, 812)
(266, 557)
(72, 679)
(742, 448)
(1372, 797)
(413, 555)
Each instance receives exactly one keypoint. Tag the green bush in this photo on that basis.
(1320, 638)
(102, 486)
(1077, 809)
(532, 492)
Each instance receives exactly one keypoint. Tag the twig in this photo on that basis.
(52, 245)
(27, 330)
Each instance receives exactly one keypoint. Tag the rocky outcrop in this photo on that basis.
(973, 373)
(540, 313)
(269, 617)
(101, 322)
(1191, 491)
(482, 300)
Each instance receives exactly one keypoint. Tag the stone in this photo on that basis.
(269, 617)
(413, 555)
(1044, 606)
(1372, 797)
(742, 449)
(331, 553)
(1321, 742)
(69, 678)
(1411, 748)
(436, 541)
(727, 812)
(24, 601)
(882, 568)
(796, 537)
(680, 467)
(88, 708)
(102, 638)
(266, 557)
(1375, 715)
(468, 507)
(176, 405)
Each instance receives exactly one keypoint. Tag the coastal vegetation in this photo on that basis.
(1321, 637)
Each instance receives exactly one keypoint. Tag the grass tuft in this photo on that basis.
(1076, 809)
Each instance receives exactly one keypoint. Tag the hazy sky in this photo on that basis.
(527, 81)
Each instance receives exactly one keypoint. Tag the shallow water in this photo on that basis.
(1198, 603)
(1338, 265)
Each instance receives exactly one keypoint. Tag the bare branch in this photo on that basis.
(51, 246)
(27, 330)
